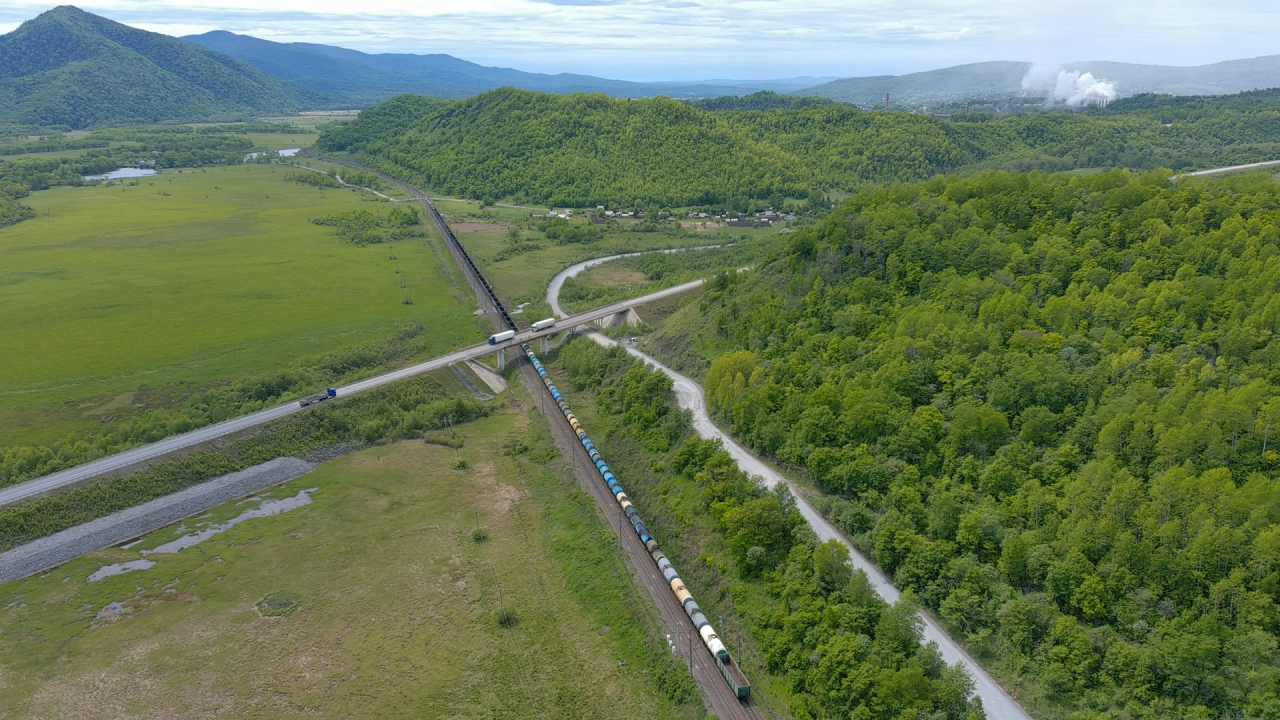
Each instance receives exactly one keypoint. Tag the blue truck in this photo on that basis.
(318, 397)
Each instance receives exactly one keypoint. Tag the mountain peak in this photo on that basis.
(71, 67)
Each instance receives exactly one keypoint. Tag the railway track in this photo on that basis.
(479, 285)
(715, 691)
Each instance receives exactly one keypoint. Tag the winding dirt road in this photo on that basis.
(998, 704)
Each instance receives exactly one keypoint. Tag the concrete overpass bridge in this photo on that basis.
(603, 317)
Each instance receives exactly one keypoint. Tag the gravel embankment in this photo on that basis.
(113, 529)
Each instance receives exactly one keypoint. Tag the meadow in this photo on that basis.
(281, 141)
(143, 291)
(374, 600)
(523, 277)
(261, 141)
(630, 277)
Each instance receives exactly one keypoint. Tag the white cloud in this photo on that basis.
(651, 39)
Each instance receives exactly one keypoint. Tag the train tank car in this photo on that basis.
(724, 661)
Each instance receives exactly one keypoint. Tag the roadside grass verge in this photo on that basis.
(403, 409)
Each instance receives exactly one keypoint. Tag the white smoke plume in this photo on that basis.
(1073, 88)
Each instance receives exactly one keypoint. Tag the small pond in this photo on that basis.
(121, 173)
(288, 152)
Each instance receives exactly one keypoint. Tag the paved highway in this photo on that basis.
(557, 282)
(63, 478)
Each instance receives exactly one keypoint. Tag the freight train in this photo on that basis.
(724, 661)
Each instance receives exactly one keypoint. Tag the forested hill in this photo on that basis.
(762, 100)
(363, 78)
(1050, 406)
(583, 150)
(69, 67)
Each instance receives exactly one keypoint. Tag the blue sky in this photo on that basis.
(698, 39)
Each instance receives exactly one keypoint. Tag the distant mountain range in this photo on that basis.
(70, 67)
(362, 78)
(1002, 80)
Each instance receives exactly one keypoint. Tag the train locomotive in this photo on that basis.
(724, 661)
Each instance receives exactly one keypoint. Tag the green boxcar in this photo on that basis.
(733, 675)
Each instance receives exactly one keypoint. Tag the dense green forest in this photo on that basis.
(1183, 107)
(384, 120)
(584, 150)
(1047, 405)
(763, 100)
(747, 554)
(69, 67)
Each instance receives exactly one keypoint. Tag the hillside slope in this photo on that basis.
(70, 67)
(349, 74)
(585, 150)
(998, 80)
(366, 78)
(1045, 405)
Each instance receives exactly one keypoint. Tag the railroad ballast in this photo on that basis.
(724, 661)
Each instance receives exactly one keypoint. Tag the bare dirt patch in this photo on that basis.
(700, 225)
(494, 495)
(463, 227)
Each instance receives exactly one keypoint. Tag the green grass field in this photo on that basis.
(390, 605)
(626, 277)
(261, 141)
(313, 120)
(390, 190)
(281, 141)
(192, 277)
(524, 277)
(53, 154)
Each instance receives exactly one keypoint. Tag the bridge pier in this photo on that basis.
(545, 344)
(502, 359)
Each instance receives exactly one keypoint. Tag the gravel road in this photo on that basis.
(998, 704)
